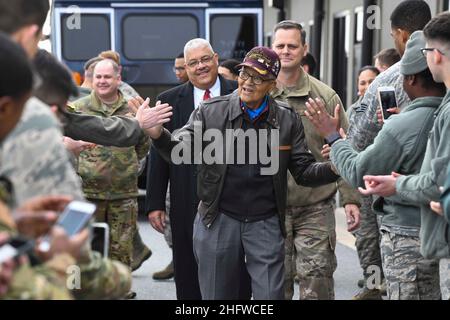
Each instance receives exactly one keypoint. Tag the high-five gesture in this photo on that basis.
(317, 113)
(149, 118)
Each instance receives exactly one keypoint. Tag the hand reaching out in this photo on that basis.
(151, 119)
(322, 121)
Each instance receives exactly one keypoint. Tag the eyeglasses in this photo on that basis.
(203, 60)
(256, 79)
(178, 69)
(425, 50)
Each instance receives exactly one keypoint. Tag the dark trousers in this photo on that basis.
(227, 245)
(185, 264)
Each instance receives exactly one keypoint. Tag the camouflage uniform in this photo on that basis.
(398, 147)
(34, 158)
(100, 278)
(368, 239)
(128, 91)
(121, 216)
(409, 276)
(363, 128)
(46, 170)
(109, 177)
(311, 237)
(42, 283)
(310, 221)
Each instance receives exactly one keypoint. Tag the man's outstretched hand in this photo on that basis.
(150, 119)
(324, 123)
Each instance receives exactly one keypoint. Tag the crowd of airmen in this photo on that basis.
(388, 173)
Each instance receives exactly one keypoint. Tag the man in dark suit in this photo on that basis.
(201, 64)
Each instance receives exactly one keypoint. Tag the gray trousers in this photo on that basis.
(444, 268)
(368, 239)
(222, 250)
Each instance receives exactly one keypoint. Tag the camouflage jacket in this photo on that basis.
(99, 278)
(34, 159)
(44, 282)
(363, 126)
(310, 87)
(128, 91)
(102, 278)
(109, 173)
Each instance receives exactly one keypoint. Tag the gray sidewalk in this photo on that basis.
(346, 275)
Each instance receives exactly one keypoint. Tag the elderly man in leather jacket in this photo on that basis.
(243, 196)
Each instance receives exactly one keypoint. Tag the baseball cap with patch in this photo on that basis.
(263, 60)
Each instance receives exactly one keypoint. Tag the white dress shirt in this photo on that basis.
(199, 93)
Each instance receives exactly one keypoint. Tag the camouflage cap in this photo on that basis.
(263, 60)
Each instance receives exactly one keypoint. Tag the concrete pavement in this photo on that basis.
(346, 275)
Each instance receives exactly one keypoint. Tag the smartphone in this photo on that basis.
(387, 99)
(100, 238)
(16, 247)
(74, 218)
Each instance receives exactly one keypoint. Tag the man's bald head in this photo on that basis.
(106, 80)
(107, 64)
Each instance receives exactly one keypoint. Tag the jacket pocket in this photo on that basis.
(208, 185)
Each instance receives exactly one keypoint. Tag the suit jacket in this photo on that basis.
(183, 189)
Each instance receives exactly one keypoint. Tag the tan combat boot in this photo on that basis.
(165, 274)
(368, 294)
(140, 252)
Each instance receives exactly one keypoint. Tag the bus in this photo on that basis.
(149, 35)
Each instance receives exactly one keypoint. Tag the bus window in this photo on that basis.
(157, 37)
(233, 35)
(88, 41)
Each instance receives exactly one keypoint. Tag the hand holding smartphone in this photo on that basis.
(387, 100)
(74, 218)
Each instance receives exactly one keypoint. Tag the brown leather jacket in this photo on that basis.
(224, 113)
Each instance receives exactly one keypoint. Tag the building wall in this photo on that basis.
(270, 19)
(334, 9)
(303, 12)
(387, 6)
